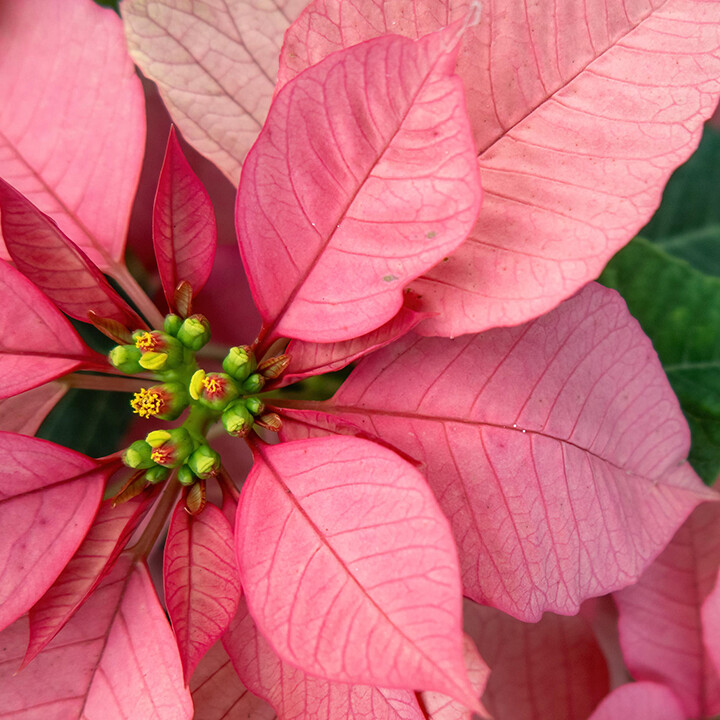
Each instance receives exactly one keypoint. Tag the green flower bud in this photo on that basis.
(138, 455)
(254, 384)
(213, 390)
(204, 462)
(237, 419)
(157, 474)
(194, 332)
(126, 358)
(160, 351)
(170, 447)
(172, 324)
(239, 362)
(255, 405)
(186, 476)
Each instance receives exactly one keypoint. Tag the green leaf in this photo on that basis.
(687, 224)
(89, 421)
(679, 309)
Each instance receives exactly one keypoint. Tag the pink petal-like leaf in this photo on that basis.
(48, 498)
(218, 694)
(95, 557)
(640, 701)
(349, 567)
(580, 113)
(215, 65)
(37, 343)
(601, 613)
(55, 264)
(326, 26)
(710, 615)
(298, 696)
(115, 660)
(363, 177)
(55, 90)
(184, 228)
(308, 359)
(25, 413)
(202, 586)
(554, 448)
(661, 630)
(439, 707)
(553, 669)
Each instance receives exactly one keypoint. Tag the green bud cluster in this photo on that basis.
(168, 355)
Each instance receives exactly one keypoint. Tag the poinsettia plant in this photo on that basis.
(425, 192)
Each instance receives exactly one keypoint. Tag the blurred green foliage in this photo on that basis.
(110, 3)
(671, 283)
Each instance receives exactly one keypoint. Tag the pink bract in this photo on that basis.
(218, 693)
(72, 129)
(44, 335)
(553, 669)
(559, 465)
(574, 126)
(184, 229)
(298, 696)
(202, 587)
(341, 204)
(115, 659)
(93, 560)
(640, 701)
(349, 567)
(228, 57)
(661, 626)
(44, 255)
(48, 498)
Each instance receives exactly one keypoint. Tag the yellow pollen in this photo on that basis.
(213, 385)
(160, 455)
(147, 403)
(145, 342)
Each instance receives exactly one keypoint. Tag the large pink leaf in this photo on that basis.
(349, 567)
(115, 660)
(59, 268)
(218, 694)
(553, 669)
(95, 557)
(440, 707)
(184, 229)
(298, 696)
(202, 587)
(308, 359)
(640, 701)
(661, 631)
(72, 127)
(25, 413)
(48, 498)
(326, 26)
(580, 112)
(37, 343)
(554, 448)
(363, 178)
(215, 64)
(710, 617)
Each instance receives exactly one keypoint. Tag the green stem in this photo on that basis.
(143, 303)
